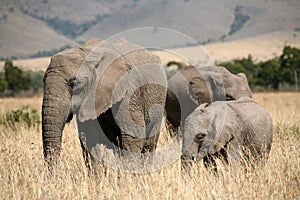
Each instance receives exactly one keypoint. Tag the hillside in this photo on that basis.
(22, 35)
(261, 48)
(30, 28)
(205, 21)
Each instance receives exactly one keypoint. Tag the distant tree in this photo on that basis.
(272, 73)
(290, 65)
(170, 70)
(178, 64)
(15, 77)
(35, 79)
(3, 84)
(269, 75)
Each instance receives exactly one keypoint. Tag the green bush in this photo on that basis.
(15, 77)
(25, 115)
(3, 84)
(35, 79)
(171, 72)
(14, 81)
(178, 64)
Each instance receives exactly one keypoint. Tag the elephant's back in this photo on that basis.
(257, 122)
(251, 112)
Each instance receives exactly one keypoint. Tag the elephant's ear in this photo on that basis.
(206, 83)
(109, 82)
(196, 78)
(100, 71)
(236, 86)
(109, 71)
(223, 129)
(106, 97)
(243, 76)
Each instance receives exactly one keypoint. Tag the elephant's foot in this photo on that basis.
(210, 164)
(137, 153)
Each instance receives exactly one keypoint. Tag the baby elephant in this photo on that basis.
(231, 130)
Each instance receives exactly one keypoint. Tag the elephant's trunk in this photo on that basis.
(55, 112)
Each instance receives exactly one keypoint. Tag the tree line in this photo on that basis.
(14, 81)
(279, 73)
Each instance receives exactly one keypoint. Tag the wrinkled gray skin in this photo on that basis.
(233, 130)
(191, 86)
(119, 86)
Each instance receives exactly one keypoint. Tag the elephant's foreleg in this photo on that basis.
(85, 153)
(131, 143)
(234, 154)
(131, 151)
(150, 144)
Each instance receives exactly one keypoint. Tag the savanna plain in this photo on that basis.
(23, 174)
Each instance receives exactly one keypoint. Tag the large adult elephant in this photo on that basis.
(233, 130)
(192, 86)
(116, 90)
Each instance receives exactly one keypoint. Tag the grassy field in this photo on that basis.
(23, 175)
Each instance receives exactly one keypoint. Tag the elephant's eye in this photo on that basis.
(199, 138)
(73, 82)
(76, 85)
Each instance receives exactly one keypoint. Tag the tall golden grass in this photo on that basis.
(23, 175)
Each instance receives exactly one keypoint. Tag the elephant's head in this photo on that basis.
(59, 80)
(204, 133)
(196, 128)
(236, 85)
(81, 81)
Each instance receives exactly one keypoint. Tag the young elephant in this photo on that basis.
(192, 86)
(232, 130)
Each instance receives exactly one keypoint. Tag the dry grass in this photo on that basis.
(23, 176)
